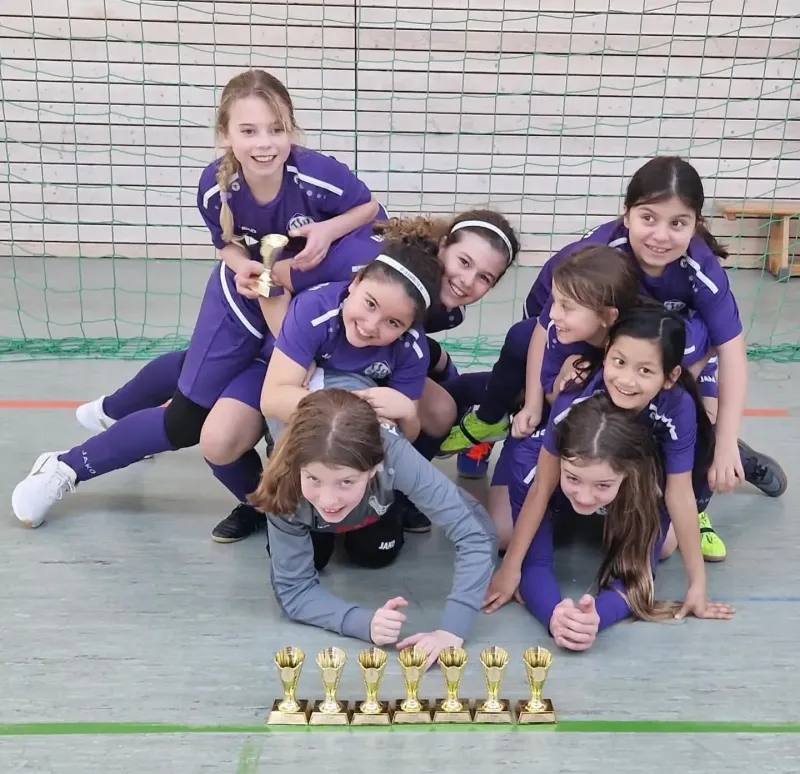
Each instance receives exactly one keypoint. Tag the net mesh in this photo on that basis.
(541, 110)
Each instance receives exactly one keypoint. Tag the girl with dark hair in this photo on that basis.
(642, 373)
(679, 265)
(609, 469)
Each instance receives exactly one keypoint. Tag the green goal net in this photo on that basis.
(541, 110)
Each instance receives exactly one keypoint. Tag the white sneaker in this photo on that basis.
(46, 483)
(92, 416)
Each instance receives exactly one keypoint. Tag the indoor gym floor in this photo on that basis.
(120, 610)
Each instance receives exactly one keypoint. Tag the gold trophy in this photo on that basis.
(289, 711)
(494, 661)
(412, 709)
(330, 711)
(537, 710)
(372, 712)
(271, 246)
(453, 661)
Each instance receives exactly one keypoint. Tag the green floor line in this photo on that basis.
(567, 726)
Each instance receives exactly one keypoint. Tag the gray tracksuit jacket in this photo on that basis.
(458, 514)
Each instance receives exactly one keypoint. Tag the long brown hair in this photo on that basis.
(251, 83)
(596, 430)
(332, 426)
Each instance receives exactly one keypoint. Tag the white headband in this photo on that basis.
(490, 226)
(410, 276)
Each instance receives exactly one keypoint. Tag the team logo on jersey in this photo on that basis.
(674, 305)
(298, 221)
(235, 186)
(377, 371)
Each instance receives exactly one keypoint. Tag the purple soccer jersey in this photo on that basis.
(315, 188)
(313, 331)
(672, 415)
(696, 281)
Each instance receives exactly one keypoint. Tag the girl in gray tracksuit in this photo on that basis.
(335, 470)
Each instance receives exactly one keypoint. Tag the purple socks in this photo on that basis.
(153, 386)
(242, 477)
(125, 442)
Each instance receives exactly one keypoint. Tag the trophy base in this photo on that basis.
(501, 716)
(319, 718)
(264, 285)
(418, 716)
(464, 715)
(278, 718)
(382, 718)
(547, 715)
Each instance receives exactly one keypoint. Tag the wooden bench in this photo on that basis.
(779, 215)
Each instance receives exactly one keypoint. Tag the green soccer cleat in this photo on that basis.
(713, 548)
(473, 431)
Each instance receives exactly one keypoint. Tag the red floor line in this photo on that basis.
(73, 404)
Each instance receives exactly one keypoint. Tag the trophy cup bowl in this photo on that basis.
(271, 246)
(329, 711)
(536, 710)
(289, 711)
(453, 662)
(372, 712)
(494, 661)
(411, 709)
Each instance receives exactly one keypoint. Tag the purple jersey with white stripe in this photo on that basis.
(539, 294)
(672, 415)
(315, 188)
(556, 353)
(696, 281)
(313, 331)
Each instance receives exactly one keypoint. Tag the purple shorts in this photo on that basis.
(229, 333)
(697, 341)
(521, 470)
(502, 468)
(707, 381)
(246, 387)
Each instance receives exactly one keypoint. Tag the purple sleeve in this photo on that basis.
(209, 204)
(538, 584)
(300, 339)
(675, 426)
(411, 369)
(339, 189)
(713, 298)
(611, 606)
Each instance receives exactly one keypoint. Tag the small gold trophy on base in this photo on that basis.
(329, 711)
(372, 712)
(289, 711)
(453, 661)
(537, 710)
(271, 246)
(494, 661)
(412, 709)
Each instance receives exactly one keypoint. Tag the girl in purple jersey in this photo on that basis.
(263, 184)
(679, 263)
(609, 476)
(642, 374)
(590, 290)
(475, 249)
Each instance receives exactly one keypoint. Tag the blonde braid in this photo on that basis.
(228, 167)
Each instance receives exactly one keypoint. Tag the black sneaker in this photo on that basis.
(411, 518)
(243, 521)
(762, 471)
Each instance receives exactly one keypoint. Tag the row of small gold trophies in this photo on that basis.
(453, 661)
